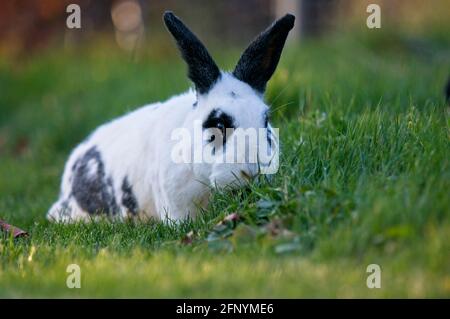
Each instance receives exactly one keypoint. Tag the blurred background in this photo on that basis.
(363, 121)
(30, 25)
(57, 84)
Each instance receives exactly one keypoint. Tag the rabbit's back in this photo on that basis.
(114, 171)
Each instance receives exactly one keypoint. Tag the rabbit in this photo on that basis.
(126, 168)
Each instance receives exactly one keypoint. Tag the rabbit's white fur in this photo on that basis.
(125, 167)
(138, 146)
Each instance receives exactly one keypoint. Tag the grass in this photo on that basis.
(364, 179)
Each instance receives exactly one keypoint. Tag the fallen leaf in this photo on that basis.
(227, 222)
(188, 238)
(231, 217)
(224, 228)
(277, 228)
(9, 229)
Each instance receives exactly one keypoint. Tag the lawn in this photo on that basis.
(364, 178)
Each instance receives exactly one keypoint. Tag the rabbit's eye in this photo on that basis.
(218, 120)
(211, 139)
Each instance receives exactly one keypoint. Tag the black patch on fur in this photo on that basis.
(266, 126)
(94, 193)
(266, 119)
(65, 208)
(269, 138)
(202, 70)
(259, 61)
(128, 198)
(219, 120)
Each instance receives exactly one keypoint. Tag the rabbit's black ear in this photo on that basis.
(202, 69)
(260, 59)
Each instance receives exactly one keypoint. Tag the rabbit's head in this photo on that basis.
(230, 110)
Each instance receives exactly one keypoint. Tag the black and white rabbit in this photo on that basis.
(126, 167)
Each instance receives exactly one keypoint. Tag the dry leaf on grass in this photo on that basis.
(188, 238)
(9, 229)
(276, 228)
